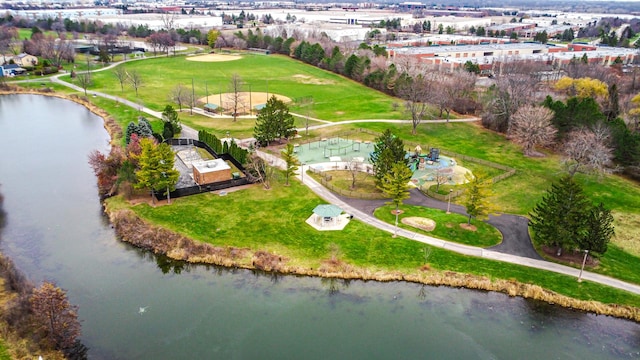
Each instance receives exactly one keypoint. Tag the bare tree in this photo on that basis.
(354, 166)
(7, 36)
(180, 95)
(109, 42)
(452, 88)
(440, 177)
(121, 74)
(168, 19)
(516, 85)
(135, 79)
(260, 170)
(235, 96)
(588, 150)
(55, 50)
(415, 93)
(84, 80)
(531, 126)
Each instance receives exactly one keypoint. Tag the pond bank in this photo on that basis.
(132, 229)
(181, 248)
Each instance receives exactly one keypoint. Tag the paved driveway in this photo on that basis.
(514, 229)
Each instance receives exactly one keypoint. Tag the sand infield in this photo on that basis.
(247, 99)
(214, 58)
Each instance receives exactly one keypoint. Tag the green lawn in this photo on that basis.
(335, 98)
(447, 225)
(274, 220)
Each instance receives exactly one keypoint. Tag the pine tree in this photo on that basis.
(156, 167)
(388, 150)
(132, 128)
(558, 220)
(598, 230)
(273, 122)
(144, 128)
(395, 183)
(291, 160)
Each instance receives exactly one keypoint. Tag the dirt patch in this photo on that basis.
(305, 79)
(420, 223)
(468, 227)
(246, 100)
(214, 58)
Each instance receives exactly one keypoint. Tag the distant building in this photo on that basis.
(72, 14)
(451, 57)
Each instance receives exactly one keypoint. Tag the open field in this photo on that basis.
(334, 97)
(232, 221)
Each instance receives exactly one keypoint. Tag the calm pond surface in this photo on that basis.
(134, 305)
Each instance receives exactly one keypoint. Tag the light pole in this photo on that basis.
(449, 204)
(302, 172)
(584, 261)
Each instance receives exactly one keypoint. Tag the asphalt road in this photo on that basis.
(514, 229)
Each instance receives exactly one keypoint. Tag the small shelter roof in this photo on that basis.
(327, 210)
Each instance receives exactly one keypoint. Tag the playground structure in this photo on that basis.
(433, 167)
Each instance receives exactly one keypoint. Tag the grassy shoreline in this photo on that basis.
(131, 228)
(372, 263)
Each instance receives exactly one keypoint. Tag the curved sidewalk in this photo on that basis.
(328, 196)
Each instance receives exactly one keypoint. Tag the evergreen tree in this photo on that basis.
(558, 220)
(598, 230)
(144, 128)
(132, 128)
(388, 150)
(167, 131)
(170, 115)
(273, 122)
(395, 183)
(291, 160)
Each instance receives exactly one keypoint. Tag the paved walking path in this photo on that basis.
(369, 219)
(365, 215)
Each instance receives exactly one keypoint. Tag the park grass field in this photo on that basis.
(334, 97)
(274, 220)
(447, 225)
(517, 194)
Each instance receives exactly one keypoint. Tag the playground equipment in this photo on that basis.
(432, 160)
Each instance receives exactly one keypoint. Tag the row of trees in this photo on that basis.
(223, 147)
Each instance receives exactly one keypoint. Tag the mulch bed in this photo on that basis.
(570, 257)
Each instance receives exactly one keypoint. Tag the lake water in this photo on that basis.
(134, 305)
